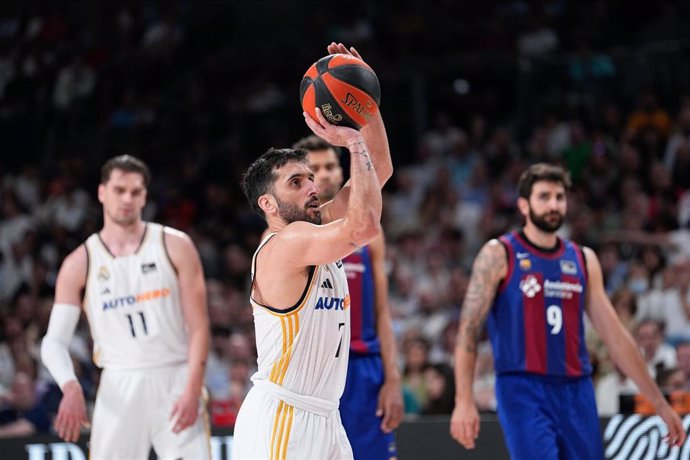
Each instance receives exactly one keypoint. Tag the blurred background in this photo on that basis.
(472, 93)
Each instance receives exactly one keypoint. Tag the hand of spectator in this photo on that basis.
(184, 412)
(390, 406)
(335, 135)
(464, 424)
(71, 414)
(676, 433)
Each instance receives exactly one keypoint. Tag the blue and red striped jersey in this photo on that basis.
(536, 324)
(360, 280)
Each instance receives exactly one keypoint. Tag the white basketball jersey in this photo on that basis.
(305, 348)
(133, 305)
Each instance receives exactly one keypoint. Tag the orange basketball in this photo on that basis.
(345, 89)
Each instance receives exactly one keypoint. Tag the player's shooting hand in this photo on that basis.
(71, 414)
(339, 48)
(390, 406)
(464, 424)
(184, 412)
(335, 135)
(676, 433)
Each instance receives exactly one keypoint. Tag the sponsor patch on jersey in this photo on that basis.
(530, 286)
(103, 273)
(568, 267)
(525, 264)
(562, 289)
(149, 267)
(134, 299)
(339, 264)
(333, 303)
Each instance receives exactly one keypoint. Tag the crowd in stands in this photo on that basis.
(198, 91)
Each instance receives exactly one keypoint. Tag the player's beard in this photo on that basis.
(291, 212)
(541, 222)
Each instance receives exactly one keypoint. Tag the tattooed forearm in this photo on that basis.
(486, 274)
(365, 155)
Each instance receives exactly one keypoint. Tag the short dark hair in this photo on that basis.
(127, 163)
(261, 175)
(542, 172)
(313, 142)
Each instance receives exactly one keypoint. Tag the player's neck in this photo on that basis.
(122, 239)
(539, 237)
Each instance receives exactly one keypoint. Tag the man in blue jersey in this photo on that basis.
(533, 288)
(371, 406)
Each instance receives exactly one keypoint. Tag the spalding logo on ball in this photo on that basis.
(345, 89)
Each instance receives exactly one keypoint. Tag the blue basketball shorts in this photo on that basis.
(358, 410)
(549, 418)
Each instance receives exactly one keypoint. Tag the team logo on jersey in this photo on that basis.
(530, 286)
(568, 267)
(149, 267)
(339, 264)
(103, 273)
(327, 284)
(333, 303)
(525, 264)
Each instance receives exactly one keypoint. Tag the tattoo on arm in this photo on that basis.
(479, 297)
(365, 154)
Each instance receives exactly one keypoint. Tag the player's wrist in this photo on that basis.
(354, 140)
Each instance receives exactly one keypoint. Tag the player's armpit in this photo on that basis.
(489, 268)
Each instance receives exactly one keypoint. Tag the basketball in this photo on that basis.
(345, 89)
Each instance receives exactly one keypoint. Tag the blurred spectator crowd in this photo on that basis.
(197, 91)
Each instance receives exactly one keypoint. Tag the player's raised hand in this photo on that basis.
(71, 414)
(184, 412)
(335, 135)
(464, 424)
(339, 48)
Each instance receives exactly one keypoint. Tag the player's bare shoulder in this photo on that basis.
(76, 263)
(71, 278)
(492, 261)
(179, 246)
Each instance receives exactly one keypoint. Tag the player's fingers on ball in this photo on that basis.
(314, 126)
(355, 53)
(321, 119)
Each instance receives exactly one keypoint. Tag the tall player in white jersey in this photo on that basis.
(299, 292)
(145, 300)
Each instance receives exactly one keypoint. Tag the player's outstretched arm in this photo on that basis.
(489, 268)
(55, 355)
(190, 275)
(390, 403)
(374, 131)
(623, 349)
(350, 222)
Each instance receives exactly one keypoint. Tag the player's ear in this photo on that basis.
(523, 206)
(101, 192)
(268, 204)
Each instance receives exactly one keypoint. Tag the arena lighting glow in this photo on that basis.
(461, 86)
